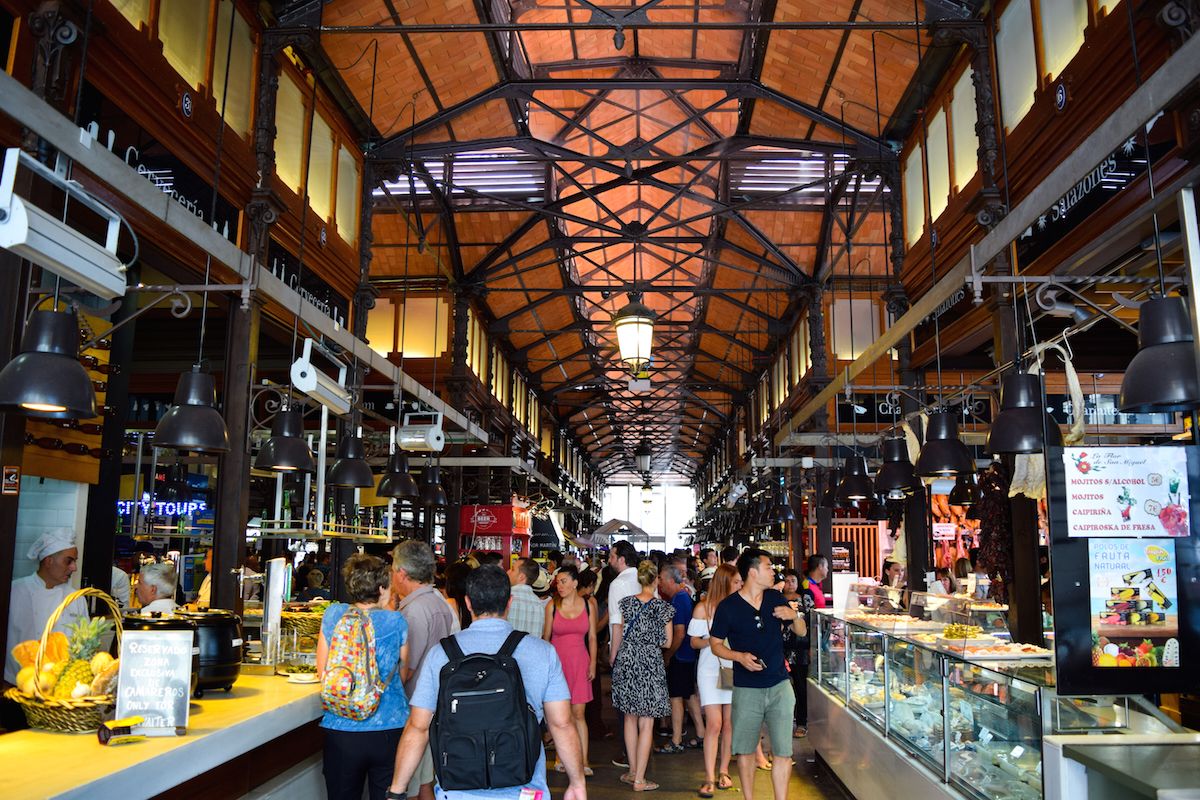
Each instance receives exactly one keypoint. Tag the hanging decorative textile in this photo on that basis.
(1029, 470)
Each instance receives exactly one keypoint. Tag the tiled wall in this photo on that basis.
(48, 503)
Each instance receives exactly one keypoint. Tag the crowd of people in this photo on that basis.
(718, 639)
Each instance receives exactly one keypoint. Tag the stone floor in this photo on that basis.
(680, 775)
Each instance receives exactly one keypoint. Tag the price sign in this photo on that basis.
(154, 681)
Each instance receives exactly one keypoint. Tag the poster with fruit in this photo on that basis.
(1126, 491)
(1134, 602)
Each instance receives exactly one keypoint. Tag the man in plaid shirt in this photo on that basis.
(527, 612)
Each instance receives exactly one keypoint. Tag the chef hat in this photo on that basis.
(52, 541)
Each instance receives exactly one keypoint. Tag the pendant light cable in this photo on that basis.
(303, 229)
(1137, 78)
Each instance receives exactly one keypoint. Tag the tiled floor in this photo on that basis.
(680, 775)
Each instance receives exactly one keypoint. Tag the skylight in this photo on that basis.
(503, 173)
(778, 171)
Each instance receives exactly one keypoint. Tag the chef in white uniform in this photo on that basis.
(156, 588)
(35, 596)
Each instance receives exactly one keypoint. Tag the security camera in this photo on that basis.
(421, 433)
(326, 390)
(51, 243)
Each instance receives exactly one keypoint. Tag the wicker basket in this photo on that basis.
(66, 714)
(305, 624)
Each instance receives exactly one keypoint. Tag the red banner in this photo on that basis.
(506, 519)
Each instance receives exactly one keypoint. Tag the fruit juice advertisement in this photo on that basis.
(1134, 602)
(1126, 491)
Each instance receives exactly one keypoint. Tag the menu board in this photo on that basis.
(154, 680)
(1126, 491)
(841, 556)
(1134, 602)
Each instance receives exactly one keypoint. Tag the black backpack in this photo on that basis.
(484, 734)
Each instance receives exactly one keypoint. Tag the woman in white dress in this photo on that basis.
(718, 727)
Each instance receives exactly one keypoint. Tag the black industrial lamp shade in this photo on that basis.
(433, 494)
(856, 480)
(1021, 422)
(351, 469)
(193, 422)
(398, 482)
(46, 380)
(895, 478)
(1161, 378)
(944, 455)
(964, 492)
(829, 496)
(286, 450)
(783, 511)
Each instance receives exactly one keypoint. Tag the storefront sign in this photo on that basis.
(307, 284)
(944, 531)
(163, 509)
(112, 128)
(495, 519)
(1134, 603)
(1126, 491)
(12, 481)
(841, 556)
(154, 680)
(1100, 409)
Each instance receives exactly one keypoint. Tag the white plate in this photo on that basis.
(303, 677)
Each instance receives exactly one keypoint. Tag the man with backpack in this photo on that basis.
(478, 703)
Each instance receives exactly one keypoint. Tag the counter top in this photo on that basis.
(1144, 769)
(64, 765)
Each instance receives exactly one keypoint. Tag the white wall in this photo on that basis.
(48, 503)
(670, 508)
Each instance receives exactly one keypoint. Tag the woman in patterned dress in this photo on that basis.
(639, 677)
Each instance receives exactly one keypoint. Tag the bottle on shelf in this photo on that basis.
(286, 509)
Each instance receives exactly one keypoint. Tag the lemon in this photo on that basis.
(1106, 660)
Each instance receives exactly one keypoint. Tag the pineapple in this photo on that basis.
(83, 644)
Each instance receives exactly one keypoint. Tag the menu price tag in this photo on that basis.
(985, 735)
(154, 680)
(1016, 752)
(968, 713)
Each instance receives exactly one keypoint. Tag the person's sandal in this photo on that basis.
(645, 786)
(800, 732)
(706, 789)
(766, 766)
(695, 743)
(669, 748)
(627, 778)
(724, 782)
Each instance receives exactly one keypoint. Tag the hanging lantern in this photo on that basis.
(1019, 425)
(642, 455)
(635, 334)
(944, 454)
(1161, 378)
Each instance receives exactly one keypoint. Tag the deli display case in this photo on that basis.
(942, 690)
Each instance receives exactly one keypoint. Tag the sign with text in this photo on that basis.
(1126, 491)
(154, 681)
(494, 519)
(1134, 602)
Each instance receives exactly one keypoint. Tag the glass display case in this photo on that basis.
(944, 682)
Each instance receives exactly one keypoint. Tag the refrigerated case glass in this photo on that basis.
(914, 700)
(865, 671)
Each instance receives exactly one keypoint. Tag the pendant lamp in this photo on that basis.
(1019, 425)
(856, 480)
(193, 422)
(397, 482)
(944, 454)
(783, 511)
(1161, 378)
(965, 492)
(46, 380)
(829, 496)
(351, 469)
(642, 455)
(286, 450)
(895, 478)
(433, 494)
(634, 325)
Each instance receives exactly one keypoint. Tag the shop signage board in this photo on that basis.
(841, 556)
(306, 283)
(1126, 491)
(12, 480)
(1124, 568)
(154, 680)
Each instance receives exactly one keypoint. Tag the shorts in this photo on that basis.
(681, 678)
(752, 708)
(423, 773)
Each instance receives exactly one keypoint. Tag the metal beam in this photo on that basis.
(1172, 78)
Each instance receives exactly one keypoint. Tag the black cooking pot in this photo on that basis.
(219, 634)
(157, 621)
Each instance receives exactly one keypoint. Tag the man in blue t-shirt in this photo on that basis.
(681, 658)
(488, 599)
(747, 629)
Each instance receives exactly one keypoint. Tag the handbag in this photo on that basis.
(724, 674)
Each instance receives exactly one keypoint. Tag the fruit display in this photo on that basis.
(1107, 653)
(83, 643)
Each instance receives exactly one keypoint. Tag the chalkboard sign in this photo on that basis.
(154, 680)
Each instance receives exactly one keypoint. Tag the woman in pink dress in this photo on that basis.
(571, 628)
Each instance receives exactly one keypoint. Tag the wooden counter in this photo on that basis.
(223, 729)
